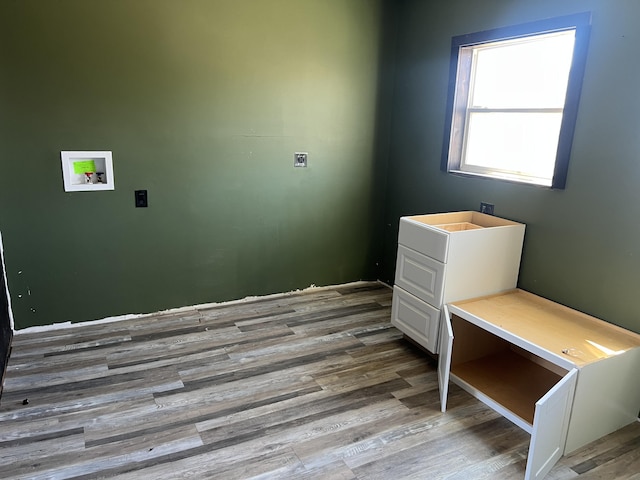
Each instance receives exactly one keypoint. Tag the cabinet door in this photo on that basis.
(444, 360)
(550, 425)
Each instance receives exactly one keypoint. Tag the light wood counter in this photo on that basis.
(561, 330)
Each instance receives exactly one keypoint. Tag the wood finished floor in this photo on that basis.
(315, 385)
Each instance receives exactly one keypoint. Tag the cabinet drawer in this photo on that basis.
(423, 238)
(420, 275)
(417, 319)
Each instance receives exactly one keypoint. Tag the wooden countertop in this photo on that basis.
(581, 338)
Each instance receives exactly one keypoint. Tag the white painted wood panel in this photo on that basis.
(420, 275)
(416, 318)
(444, 360)
(607, 398)
(482, 262)
(424, 238)
(550, 426)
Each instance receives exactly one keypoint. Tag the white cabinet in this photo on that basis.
(446, 257)
(563, 376)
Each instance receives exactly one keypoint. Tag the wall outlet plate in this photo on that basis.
(486, 208)
(141, 198)
(300, 159)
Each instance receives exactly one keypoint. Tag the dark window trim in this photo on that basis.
(582, 24)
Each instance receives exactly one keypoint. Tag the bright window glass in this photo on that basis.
(527, 73)
(521, 144)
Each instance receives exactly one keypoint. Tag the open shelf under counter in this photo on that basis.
(510, 380)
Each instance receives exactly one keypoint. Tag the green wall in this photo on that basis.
(203, 103)
(582, 244)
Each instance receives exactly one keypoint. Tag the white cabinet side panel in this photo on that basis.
(607, 398)
(482, 262)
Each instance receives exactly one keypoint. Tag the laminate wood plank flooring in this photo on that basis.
(309, 385)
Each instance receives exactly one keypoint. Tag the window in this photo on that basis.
(513, 100)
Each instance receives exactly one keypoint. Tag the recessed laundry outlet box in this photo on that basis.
(86, 171)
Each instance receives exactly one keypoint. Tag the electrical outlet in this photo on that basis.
(300, 159)
(141, 198)
(486, 208)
